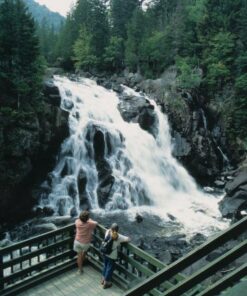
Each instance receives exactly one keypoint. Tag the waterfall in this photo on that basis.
(204, 119)
(226, 161)
(114, 165)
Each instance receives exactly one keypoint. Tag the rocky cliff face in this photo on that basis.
(29, 144)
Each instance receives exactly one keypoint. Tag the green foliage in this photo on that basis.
(156, 54)
(113, 56)
(15, 117)
(197, 11)
(120, 16)
(241, 84)
(20, 67)
(135, 36)
(189, 76)
(92, 16)
(83, 56)
(219, 58)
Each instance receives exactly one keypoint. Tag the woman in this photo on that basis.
(83, 237)
(109, 260)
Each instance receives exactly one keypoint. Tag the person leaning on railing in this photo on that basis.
(84, 231)
(109, 260)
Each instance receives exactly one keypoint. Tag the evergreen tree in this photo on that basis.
(19, 51)
(121, 14)
(83, 57)
(134, 41)
(66, 39)
(113, 57)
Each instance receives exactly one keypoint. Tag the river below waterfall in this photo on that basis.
(119, 170)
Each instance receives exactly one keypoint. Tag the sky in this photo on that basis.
(61, 6)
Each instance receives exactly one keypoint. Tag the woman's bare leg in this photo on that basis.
(80, 261)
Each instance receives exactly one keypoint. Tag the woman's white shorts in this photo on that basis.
(79, 247)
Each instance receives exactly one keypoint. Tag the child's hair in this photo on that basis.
(84, 216)
(114, 227)
(114, 235)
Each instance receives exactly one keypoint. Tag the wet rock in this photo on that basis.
(148, 120)
(117, 88)
(171, 217)
(138, 218)
(130, 107)
(5, 243)
(99, 145)
(81, 183)
(138, 109)
(166, 257)
(72, 190)
(104, 169)
(68, 104)
(61, 206)
(48, 211)
(230, 207)
(181, 146)
(58, 221)
(235, 200)
(51, 92)
(219, 183)
(198, 239)
(42, 228)
(239, 180)
(104, 190)
(74, 212)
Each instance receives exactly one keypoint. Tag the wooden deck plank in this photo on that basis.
(72, 283)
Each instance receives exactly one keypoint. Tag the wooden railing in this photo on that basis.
(30, 262)
(26, 263)
(185, 285)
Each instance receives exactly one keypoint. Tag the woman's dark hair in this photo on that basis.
(84, 216)
(114, 227)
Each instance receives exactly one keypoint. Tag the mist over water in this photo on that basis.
(147, 178)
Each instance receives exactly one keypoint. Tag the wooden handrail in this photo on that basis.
(55, 248)
(134, 264)
(179, 265)
(208, 270)
(35, 239)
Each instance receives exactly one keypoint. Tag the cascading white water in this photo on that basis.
(226, 161)
(146, 176)
(204, 119)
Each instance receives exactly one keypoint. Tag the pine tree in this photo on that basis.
(83, 57)
(20, 67)
(134, 41)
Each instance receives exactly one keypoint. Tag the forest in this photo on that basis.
(204, 40)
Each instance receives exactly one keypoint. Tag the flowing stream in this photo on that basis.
(146, 178)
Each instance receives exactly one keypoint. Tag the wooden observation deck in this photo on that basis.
(45, 265)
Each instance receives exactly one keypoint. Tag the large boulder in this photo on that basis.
(135, 108)
(235, 199)
(51, 93)
(106, 182)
